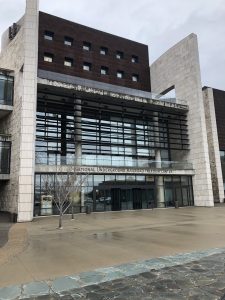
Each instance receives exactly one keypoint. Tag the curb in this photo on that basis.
(100, 275)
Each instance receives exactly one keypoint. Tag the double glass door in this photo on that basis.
(118, 198)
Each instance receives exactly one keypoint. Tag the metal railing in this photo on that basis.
(115, 162)
(165, 98)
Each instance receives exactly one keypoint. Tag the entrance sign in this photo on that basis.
(113, 170)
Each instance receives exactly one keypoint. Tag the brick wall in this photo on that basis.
(79, 33)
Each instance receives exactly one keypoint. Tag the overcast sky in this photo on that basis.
(158, 23)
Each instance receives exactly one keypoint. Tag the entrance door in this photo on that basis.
(116, 198)
(169, 197)
(137, 198)
(150, 201)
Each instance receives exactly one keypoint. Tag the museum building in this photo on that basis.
(74, 95)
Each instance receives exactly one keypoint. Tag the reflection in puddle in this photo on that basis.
(107, 236)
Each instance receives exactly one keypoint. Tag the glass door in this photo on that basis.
(116, 199)
(137, 198)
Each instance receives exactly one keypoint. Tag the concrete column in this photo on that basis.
(78, 132)
(160, 198)
(82, 198)
(134, 145)
(63, 140)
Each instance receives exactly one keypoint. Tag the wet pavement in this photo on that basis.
(5, 225)
(193, 276)
(108, 252)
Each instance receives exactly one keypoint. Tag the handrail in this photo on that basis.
(124, 162)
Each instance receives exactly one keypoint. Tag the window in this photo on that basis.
(5, 157)
(6, 89)
(119, 55)
(68, 62)
(120, 74)
(104, 71)
(103, 51)
(135, 77)
(48, 57)
(222, 155)
(49, 35)
(68, 41)
(87, 66)
(86, 46)
(134, 59)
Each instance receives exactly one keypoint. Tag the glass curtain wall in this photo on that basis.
(122, 192)
(109, 134)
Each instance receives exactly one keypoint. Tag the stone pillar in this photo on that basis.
(180, 67)
(20, 56)
(213, 144)
(28, 113)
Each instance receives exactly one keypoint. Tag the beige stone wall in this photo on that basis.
(213, 143)
(12, 58)
(20, 56)
(180, 67)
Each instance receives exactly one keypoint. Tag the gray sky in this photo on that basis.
(158, 23)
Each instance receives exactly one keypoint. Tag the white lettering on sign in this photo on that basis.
(81, 88)
(111, 170)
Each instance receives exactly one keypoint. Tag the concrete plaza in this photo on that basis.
(39, 251)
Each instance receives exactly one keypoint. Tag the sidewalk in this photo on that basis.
(5, 225)
(38, 251)
(193, 276)
(14, 241)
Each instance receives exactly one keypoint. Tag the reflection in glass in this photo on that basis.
(120, 192)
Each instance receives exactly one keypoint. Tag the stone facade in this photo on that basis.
(213, 144)
(180, 67)
(20, 56)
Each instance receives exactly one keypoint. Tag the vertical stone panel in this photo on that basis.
(12, 58)
(28, 113)
(20, 56)
(214, 154)
(180, 67)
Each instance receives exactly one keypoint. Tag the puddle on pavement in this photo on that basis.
(106, 236)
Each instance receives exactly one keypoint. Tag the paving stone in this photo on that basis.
(66, 297)
(202, 278)
(91, 277)
(9, 293)
(63, 284)
(35, 289)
